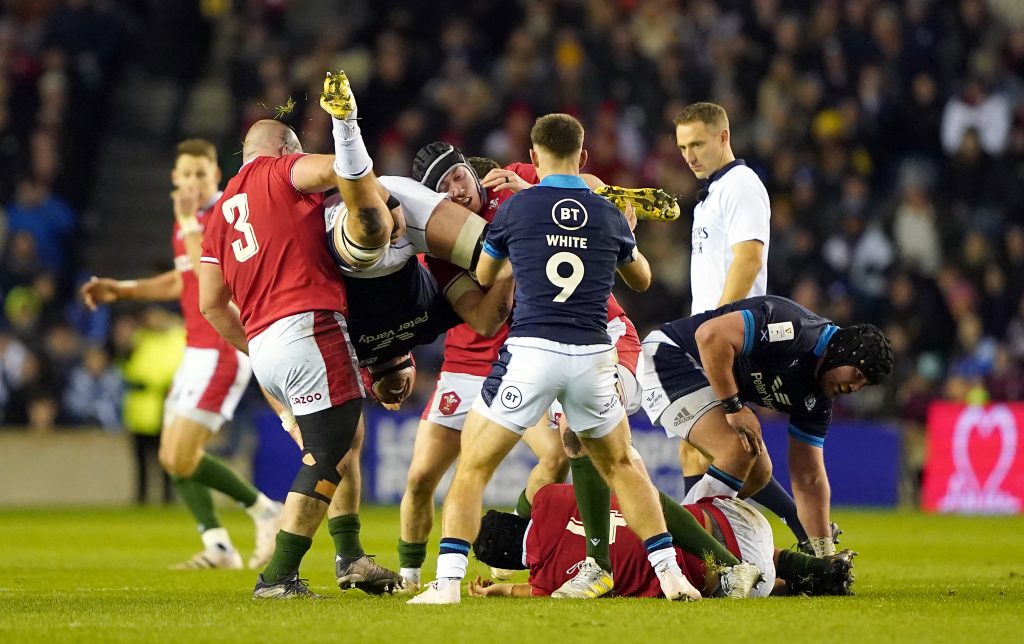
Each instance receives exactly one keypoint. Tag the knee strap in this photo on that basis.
(327, 436)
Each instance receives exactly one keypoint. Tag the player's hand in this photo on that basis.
(480, 587)
(398, 228)
(502, 179)
(395, 387)
(296, 436)
(99, 290)
(630, 214)
(749, 429)
(186, 202)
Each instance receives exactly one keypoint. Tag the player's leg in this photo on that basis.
(435, 449)
(733, 469)
(692, 463)
(552, 464)
(364, 228)
(485, 444)
(353, 568)
(207, 388)
(327, 436)
(640, 506)
(181, 453)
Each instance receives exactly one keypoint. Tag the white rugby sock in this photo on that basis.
(351, 160)
(451, 565)
(217, 539)
(823, 546)
(262, 506)
(410, 574)
(659, 557)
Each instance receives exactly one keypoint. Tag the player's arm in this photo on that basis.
(748, 259)
(454, 233)
(215, 305)
(487, 588)
(811, 489)
(719, 341)
(637, 273)
(634, 268)
(312, 173)
(186, 207)
(164, 287)
(485, 311)
(288, 421)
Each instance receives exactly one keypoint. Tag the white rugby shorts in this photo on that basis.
(453, 397)
(754, 536)
(307, 362)
(531, 373)
(675, 391)
(207, 386)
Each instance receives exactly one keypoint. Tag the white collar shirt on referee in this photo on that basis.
(735, 209)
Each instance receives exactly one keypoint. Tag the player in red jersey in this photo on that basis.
(265, 250)
(468, 360)
(211, 378)
(549, 544)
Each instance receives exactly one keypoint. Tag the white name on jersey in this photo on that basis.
(567, 241)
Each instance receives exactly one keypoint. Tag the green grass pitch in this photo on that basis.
(101, 575)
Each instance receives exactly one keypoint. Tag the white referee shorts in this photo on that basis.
(754, 536)
(531, 373)
(307, 362)
(207, 386)
(453, 397)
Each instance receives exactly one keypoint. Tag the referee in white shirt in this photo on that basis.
(729, 250)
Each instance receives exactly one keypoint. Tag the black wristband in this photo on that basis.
(387, 371)
(732, 404)
(392, 202)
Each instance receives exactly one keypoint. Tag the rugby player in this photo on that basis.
(550, 541)
(770, 351)
(264, 249)
(209, 381)
(468, 360)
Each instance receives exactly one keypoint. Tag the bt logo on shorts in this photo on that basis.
(307, 399)
(511, 397)
(569, 214)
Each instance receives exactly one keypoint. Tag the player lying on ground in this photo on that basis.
(550, 541)
(769, 351)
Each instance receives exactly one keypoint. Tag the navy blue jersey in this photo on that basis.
(564, 243)
(776, 367)
(391, 314)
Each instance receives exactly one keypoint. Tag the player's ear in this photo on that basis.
(533, 157)
(583, 157)
(724, 136)
(216, 173)
(174, 177)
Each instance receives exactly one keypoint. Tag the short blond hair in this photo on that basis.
(706, 113)
(197, 148)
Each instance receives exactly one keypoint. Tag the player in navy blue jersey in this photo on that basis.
(772, 352)
(564, 244)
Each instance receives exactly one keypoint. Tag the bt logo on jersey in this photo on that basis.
(569, 214)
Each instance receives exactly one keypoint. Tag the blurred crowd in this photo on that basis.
(890, 136)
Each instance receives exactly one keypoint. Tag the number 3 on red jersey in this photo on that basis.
(236, 211)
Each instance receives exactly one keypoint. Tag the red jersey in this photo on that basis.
(465, 350)
(268, 239)
(555, 544)
(198, 332)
